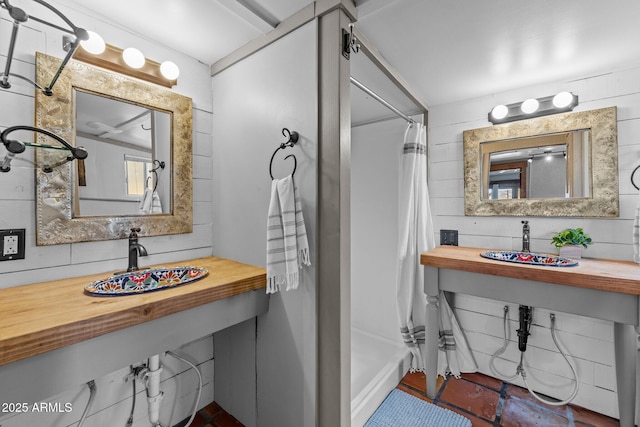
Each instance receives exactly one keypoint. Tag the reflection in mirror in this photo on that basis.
(559, 165)
(120, 177)
(550, 166)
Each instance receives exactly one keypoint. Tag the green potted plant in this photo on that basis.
(570, 242)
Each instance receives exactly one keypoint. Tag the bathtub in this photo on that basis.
(377, 366)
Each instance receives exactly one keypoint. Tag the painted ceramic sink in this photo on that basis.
(530, 258)
(141, 281)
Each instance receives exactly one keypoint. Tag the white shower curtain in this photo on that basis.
(416, 235)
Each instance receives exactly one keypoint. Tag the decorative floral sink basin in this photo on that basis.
(137, 282)
(530, 258)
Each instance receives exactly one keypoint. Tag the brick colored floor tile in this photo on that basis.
(412, 391)
(475, 421)
(198, 420)
(471, 397)
(590, 418)
(520, 413)
(485, 380)
(226, 420)
(523, 393)
(418, 381)
(212, 409)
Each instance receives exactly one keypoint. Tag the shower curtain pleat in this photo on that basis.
(454, 355)
(416, 235)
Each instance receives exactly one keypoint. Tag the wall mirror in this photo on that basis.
(129, 129)
(131, 142)
(560, 165)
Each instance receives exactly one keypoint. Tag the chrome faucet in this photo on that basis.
(135, 248)
(526, 238)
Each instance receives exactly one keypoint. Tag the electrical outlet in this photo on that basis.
(449, 237)
(12, 244)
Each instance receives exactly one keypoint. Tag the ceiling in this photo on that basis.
(447, 51)
(114, 120)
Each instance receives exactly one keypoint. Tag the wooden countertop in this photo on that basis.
(606, 275)
(46, 316)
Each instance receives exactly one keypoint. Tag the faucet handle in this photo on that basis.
(135, 231)
(524, 222)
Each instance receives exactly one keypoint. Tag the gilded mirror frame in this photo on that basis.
(55, 223)
(604, 200)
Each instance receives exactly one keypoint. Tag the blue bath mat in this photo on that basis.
(401, 409)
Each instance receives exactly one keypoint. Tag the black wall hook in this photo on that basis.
(632, 174)
(292, 139)
(160, 164)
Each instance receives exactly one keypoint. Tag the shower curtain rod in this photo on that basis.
(381, 100)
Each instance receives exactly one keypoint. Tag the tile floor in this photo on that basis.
(212, 415)
(486, 401)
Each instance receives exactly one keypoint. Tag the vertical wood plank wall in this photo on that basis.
(588, 340)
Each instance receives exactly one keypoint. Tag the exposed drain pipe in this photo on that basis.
(154, 394)
(523, 333)
(150, 374)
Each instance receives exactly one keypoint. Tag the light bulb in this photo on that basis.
(169, 70)
(499, 112)
(133, 57)
(529, 106)
(563, 99)
(95, 44)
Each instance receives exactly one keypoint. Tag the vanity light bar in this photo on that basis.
(530, 108)
(112, 59)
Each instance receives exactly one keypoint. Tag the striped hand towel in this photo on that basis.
(156, 205)
(150, 202)
(287, 246)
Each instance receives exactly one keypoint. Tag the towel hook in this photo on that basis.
(632, 174)
(292, 139)
(160, 165)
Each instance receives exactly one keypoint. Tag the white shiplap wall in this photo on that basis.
(589, 341)
(59, 261)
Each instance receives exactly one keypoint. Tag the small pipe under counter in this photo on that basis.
(596, 288)
(54, 336)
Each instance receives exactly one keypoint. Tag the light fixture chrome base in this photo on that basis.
(545, 107)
